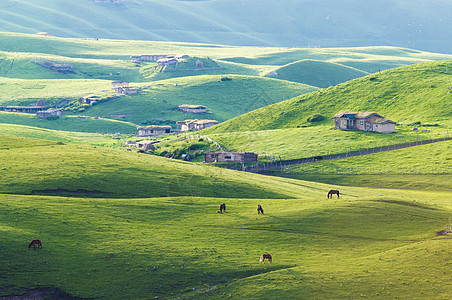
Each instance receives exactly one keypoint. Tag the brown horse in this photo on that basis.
(222, 208)
(259, 209)
(34, 243)
(332, 192)
(266, 256)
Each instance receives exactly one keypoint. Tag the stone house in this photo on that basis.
(154, 130)
(367, 121)
(196, 109)
(195, 124)
(49, 113)
(211, 157)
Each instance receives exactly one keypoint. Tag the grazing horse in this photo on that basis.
(332, 192)
(266, 256)
(222, 208)
(34, 243)
(259, 209)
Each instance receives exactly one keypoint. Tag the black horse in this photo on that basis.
(222, 208)
(259, 209)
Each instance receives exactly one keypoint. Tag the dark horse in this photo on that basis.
(259, 209)
(35, 243)
(266, 256)
(222, 208)
(332, 192)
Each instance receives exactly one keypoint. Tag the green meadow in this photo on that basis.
(118, 224)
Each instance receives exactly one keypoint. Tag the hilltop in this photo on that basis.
(288, 23)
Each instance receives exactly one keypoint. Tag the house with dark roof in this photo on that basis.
(367, 121)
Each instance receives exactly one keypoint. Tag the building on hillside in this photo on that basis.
(33, 108)
(143, 145)
(150, 57)
(154, 130)
(51, 112)
(367, 121)
(167, 61)
(188, 125)
(89, 99)
(211, 157)
(196, 109)
(123, 88)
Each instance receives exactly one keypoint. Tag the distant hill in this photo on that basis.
(317, 73)
(94, 64)
(289, 23)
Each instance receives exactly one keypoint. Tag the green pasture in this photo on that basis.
(361, 245)
(118, 224)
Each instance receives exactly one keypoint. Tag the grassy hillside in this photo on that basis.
(223, 99)
(37, 167)
(318, 73)
(408, 94)
(289, 23)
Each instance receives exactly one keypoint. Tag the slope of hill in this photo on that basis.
(291, 23)
(406, 95)
(223, 99)
(36, 166)
(317, 73)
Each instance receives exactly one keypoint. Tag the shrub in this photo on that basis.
(316, 118)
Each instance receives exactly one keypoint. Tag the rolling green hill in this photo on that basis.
(156, 231)
(96, 63)
(288, 23)
(406, 95)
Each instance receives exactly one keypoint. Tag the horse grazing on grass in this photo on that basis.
(332, 192)
(222, 208)
(259, 209)
(266, 256)
(35, 243)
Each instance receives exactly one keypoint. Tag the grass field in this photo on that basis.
(118, 224)
(361, 245)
